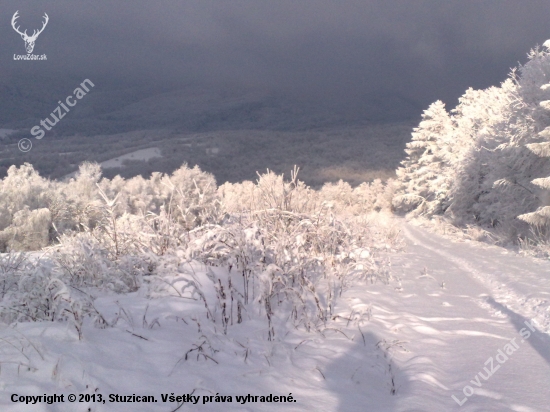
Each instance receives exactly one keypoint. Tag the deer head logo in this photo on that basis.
(29, 40)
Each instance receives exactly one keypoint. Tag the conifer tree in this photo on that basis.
(422, 179)
(541, 217)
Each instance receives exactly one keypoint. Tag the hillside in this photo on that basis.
(355, 154)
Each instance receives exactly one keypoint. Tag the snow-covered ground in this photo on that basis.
(461, 303)
(6, 132)
(118, 162)
(410, 345)
(142, 155)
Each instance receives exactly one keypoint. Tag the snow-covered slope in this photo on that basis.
(410, 345)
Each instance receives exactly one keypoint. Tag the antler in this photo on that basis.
(13, 19)
(35, 33)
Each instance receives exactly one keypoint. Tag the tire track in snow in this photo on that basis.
(531, 308)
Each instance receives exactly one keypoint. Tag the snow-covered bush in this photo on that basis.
(29, 230)
(189, 195)
(23, 196)
(35, 211)
(33, 290)
(192, 195)
(274, 246)
(82, 260)
(287, 251)
(366, 198)
(281, 247)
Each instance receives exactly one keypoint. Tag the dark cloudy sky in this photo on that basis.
(333, 50)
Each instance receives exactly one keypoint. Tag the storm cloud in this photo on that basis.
(318, 50)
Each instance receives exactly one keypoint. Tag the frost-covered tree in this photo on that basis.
(486, 121)
(81, 203)
(370, 197)
(22, 187)
(480, 163)
(191, 194)
(516, 167)
(540, 218)
(28, 231)
(22, 192)
(423, 177)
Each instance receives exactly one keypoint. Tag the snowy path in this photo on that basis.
(462, 303)
(430, 331)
